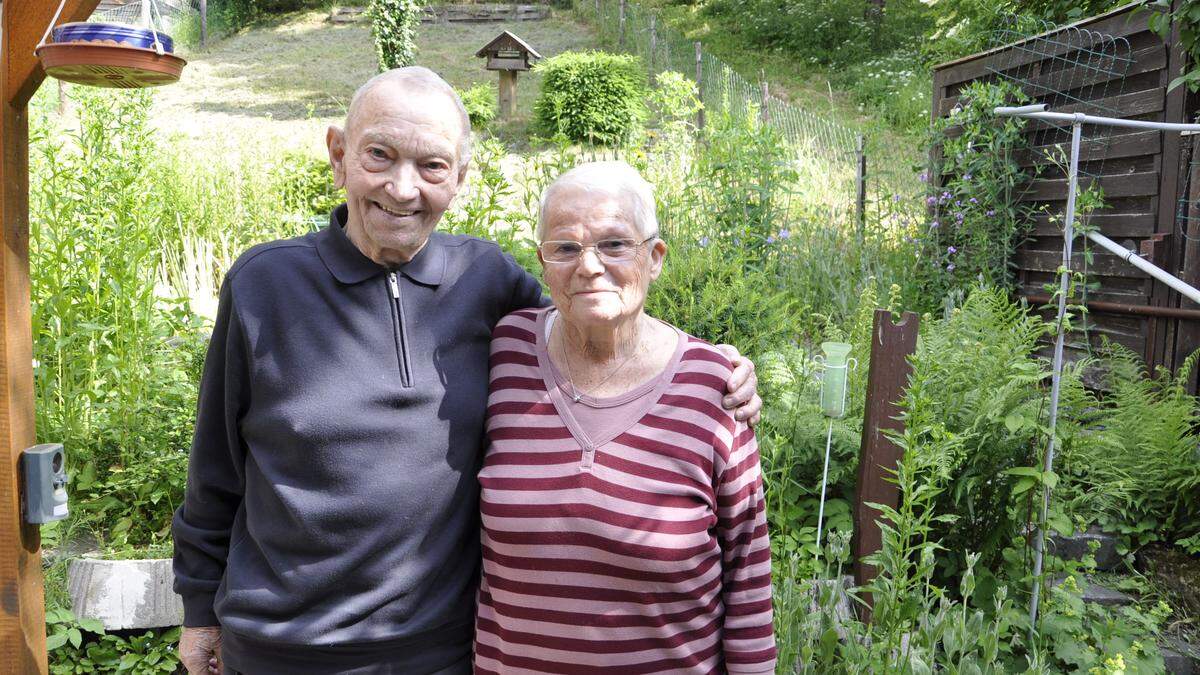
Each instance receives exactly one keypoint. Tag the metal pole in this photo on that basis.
(653, 45)
(621, 34)
(1056, 379)
(765, 112)
(699, 85)
(1146, 266)
(860, 185)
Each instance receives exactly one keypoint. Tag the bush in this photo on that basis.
(591, 97)
(480, 102)
(394, 27)
(305, 183)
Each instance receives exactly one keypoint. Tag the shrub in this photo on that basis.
(480, 102)
(394, 27)
(305, 183)
(591, 97)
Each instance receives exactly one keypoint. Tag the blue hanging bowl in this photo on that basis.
(111, 33)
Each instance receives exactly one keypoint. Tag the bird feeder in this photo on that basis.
(110, 54)
(509, 55)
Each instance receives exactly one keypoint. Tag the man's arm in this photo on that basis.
(526, 289)
(216, 479)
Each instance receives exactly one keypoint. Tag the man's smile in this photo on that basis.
(396, 213)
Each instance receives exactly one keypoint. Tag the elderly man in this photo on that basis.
(330, 523)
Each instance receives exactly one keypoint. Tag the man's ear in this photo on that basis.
(335, 140)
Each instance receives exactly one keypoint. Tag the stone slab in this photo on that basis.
(124, 594)
(1176, 663)
(1105, 597)
(1076, 546)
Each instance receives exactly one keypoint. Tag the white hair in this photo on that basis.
(423, 79)
(616, 179)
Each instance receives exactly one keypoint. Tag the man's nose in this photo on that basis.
(403, 184)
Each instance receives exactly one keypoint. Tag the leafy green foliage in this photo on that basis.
(82, 647)
(305, 183)
(480, 102)
(394, 26)
(591, 97)
(977, 220)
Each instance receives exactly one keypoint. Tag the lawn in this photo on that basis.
(281, 84)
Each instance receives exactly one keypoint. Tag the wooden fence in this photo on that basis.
(1144, 175)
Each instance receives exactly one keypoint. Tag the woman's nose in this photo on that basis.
(589, 262)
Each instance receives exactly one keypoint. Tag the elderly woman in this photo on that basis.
(624, 529)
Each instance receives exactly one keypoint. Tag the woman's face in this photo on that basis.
(590, 291)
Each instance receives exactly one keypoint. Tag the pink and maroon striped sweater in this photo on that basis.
(646, 553)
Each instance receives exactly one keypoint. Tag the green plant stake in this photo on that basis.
(836, 364)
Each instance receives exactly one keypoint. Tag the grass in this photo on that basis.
(282, 83)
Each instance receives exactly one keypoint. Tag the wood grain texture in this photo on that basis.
(22, 614)
(891, 345)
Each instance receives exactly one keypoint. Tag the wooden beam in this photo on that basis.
(891, 345)
(24, 25)
(22, 612)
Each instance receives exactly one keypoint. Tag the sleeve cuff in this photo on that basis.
(198, 611)
(750, 669)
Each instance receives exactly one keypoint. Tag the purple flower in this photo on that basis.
(784, 234)
(957, 202)
(951, 250)
(703, 242)
(958, 217)
(974, 201)
(990, 213)
(923, 176)
(931, 200)
(967, 176)
(935, 224)
(771, 239)
(946, 195)
(950, 267)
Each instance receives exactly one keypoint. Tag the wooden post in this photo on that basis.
(891, 345)
(203, 24)
(597, 9)
(22, 612)
(764, 113)
(860, 185)
(699, 85)
(653, 46)
(1188, 335)
(621, 29)
(508, 94)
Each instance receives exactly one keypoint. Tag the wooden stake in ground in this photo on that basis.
(891, 345)
(509, 55)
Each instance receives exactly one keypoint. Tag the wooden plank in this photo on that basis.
(24, 25)
(1127, 185)
(1121, 22)
(1187, 338)
(1103, 264)
(22, 613)
(891, 345)
(1170, 252)
(1113, 147)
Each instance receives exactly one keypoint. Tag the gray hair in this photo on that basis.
(616, 179)
(422, 79)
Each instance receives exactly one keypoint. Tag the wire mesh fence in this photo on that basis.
(165, 15)
(890, 168)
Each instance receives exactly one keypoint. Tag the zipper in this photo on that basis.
(401, 335)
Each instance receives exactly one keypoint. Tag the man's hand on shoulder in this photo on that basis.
(200, 649)
(743, 396)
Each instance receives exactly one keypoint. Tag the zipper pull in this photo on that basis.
(395, 286)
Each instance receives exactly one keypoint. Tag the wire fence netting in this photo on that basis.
(166, 15)
(892, 166)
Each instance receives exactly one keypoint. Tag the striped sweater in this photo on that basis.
(644, 554)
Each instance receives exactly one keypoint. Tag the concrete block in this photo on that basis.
(124, 593)
(1180, 658)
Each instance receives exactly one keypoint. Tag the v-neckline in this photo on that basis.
(559, 398)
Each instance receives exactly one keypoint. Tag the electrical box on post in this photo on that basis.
(44, 470)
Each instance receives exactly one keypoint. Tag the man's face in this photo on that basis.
(398, 161)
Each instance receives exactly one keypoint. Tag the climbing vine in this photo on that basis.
(394, 26)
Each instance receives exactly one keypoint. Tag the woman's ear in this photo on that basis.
(658, 252)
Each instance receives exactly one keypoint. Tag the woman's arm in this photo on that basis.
(749, 636)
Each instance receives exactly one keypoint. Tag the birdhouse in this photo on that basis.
(509, 55)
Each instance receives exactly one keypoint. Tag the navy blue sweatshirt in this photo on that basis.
(331, 514)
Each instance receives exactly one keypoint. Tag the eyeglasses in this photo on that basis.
(608, 250)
